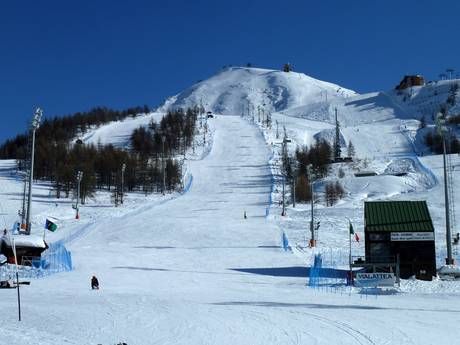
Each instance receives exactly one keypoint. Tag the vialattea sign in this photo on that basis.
(374, 279)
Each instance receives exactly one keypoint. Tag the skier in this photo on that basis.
(94, 283)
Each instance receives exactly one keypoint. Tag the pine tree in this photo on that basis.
(302, 189)
(339, 191)
(330, 194)
(454, 145)
(351, 152)
(422, 122)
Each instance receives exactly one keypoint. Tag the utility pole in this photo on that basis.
(35, 124)
(283, 212)
(442, 130)
(163, 139)
(285, 157)
(22, 212)
(337, 138)
(294, 180)
(201, 113)
(204, 132)
(312, 222)
(79, 178)
(295, 172)
(13, 247)
(122, 193)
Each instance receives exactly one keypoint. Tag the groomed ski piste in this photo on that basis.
(187, 268)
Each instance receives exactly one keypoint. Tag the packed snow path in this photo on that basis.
(194, 271)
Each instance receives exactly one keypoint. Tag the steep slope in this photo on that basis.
(118, 133)
(234, 89)
(193, 271)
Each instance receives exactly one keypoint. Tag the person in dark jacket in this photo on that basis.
(94, 283)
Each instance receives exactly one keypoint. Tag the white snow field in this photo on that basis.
(118, 133)
(189, 269)
(192, 270)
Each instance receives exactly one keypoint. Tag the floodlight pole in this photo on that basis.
(283, 212)
(123, 168)
(22, 212)
(294, 182)
(13, 247)
(79, 178)
(442, 131)
(312, 192)
(163, 139)
(35, 124)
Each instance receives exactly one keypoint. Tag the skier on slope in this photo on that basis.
(94, 283)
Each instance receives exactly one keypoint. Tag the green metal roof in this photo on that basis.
(397, 216)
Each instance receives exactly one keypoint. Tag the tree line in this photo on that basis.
(151, 164)
(312, 163)
(68, 127)
(434, 141)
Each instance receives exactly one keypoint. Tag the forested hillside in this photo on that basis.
(59, 154)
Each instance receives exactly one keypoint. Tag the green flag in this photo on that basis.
(50, 225)
(352, 231)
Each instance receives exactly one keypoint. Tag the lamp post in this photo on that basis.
(312, 191)
(35, 124)
(163, 139)
(442, 130)
(285, 156)
(123, 168)
(79, 178)
(13, 247)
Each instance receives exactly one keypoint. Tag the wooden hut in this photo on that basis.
(401, 231)
(28, 248)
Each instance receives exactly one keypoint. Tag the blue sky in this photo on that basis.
(69, 56)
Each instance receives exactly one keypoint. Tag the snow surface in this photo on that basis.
(28, 241)
(118, 133)
(229, 91)
(189, 269)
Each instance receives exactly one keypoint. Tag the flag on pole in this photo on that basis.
(352, 231)
(49, 225)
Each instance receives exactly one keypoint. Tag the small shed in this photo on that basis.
(401, 231)
(28, 247)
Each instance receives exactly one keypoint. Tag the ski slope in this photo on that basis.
(192, 270)
(118, 133)
(234, 89)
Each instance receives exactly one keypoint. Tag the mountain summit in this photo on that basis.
(234, 89)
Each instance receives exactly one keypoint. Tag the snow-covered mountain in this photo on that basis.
(235, 89)
(191, 269)
(232, 90)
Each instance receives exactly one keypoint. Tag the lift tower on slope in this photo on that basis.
(442, 130)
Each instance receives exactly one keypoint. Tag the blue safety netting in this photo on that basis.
(326, 276)
(285, 242)
(53, 260)
(56, 259)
